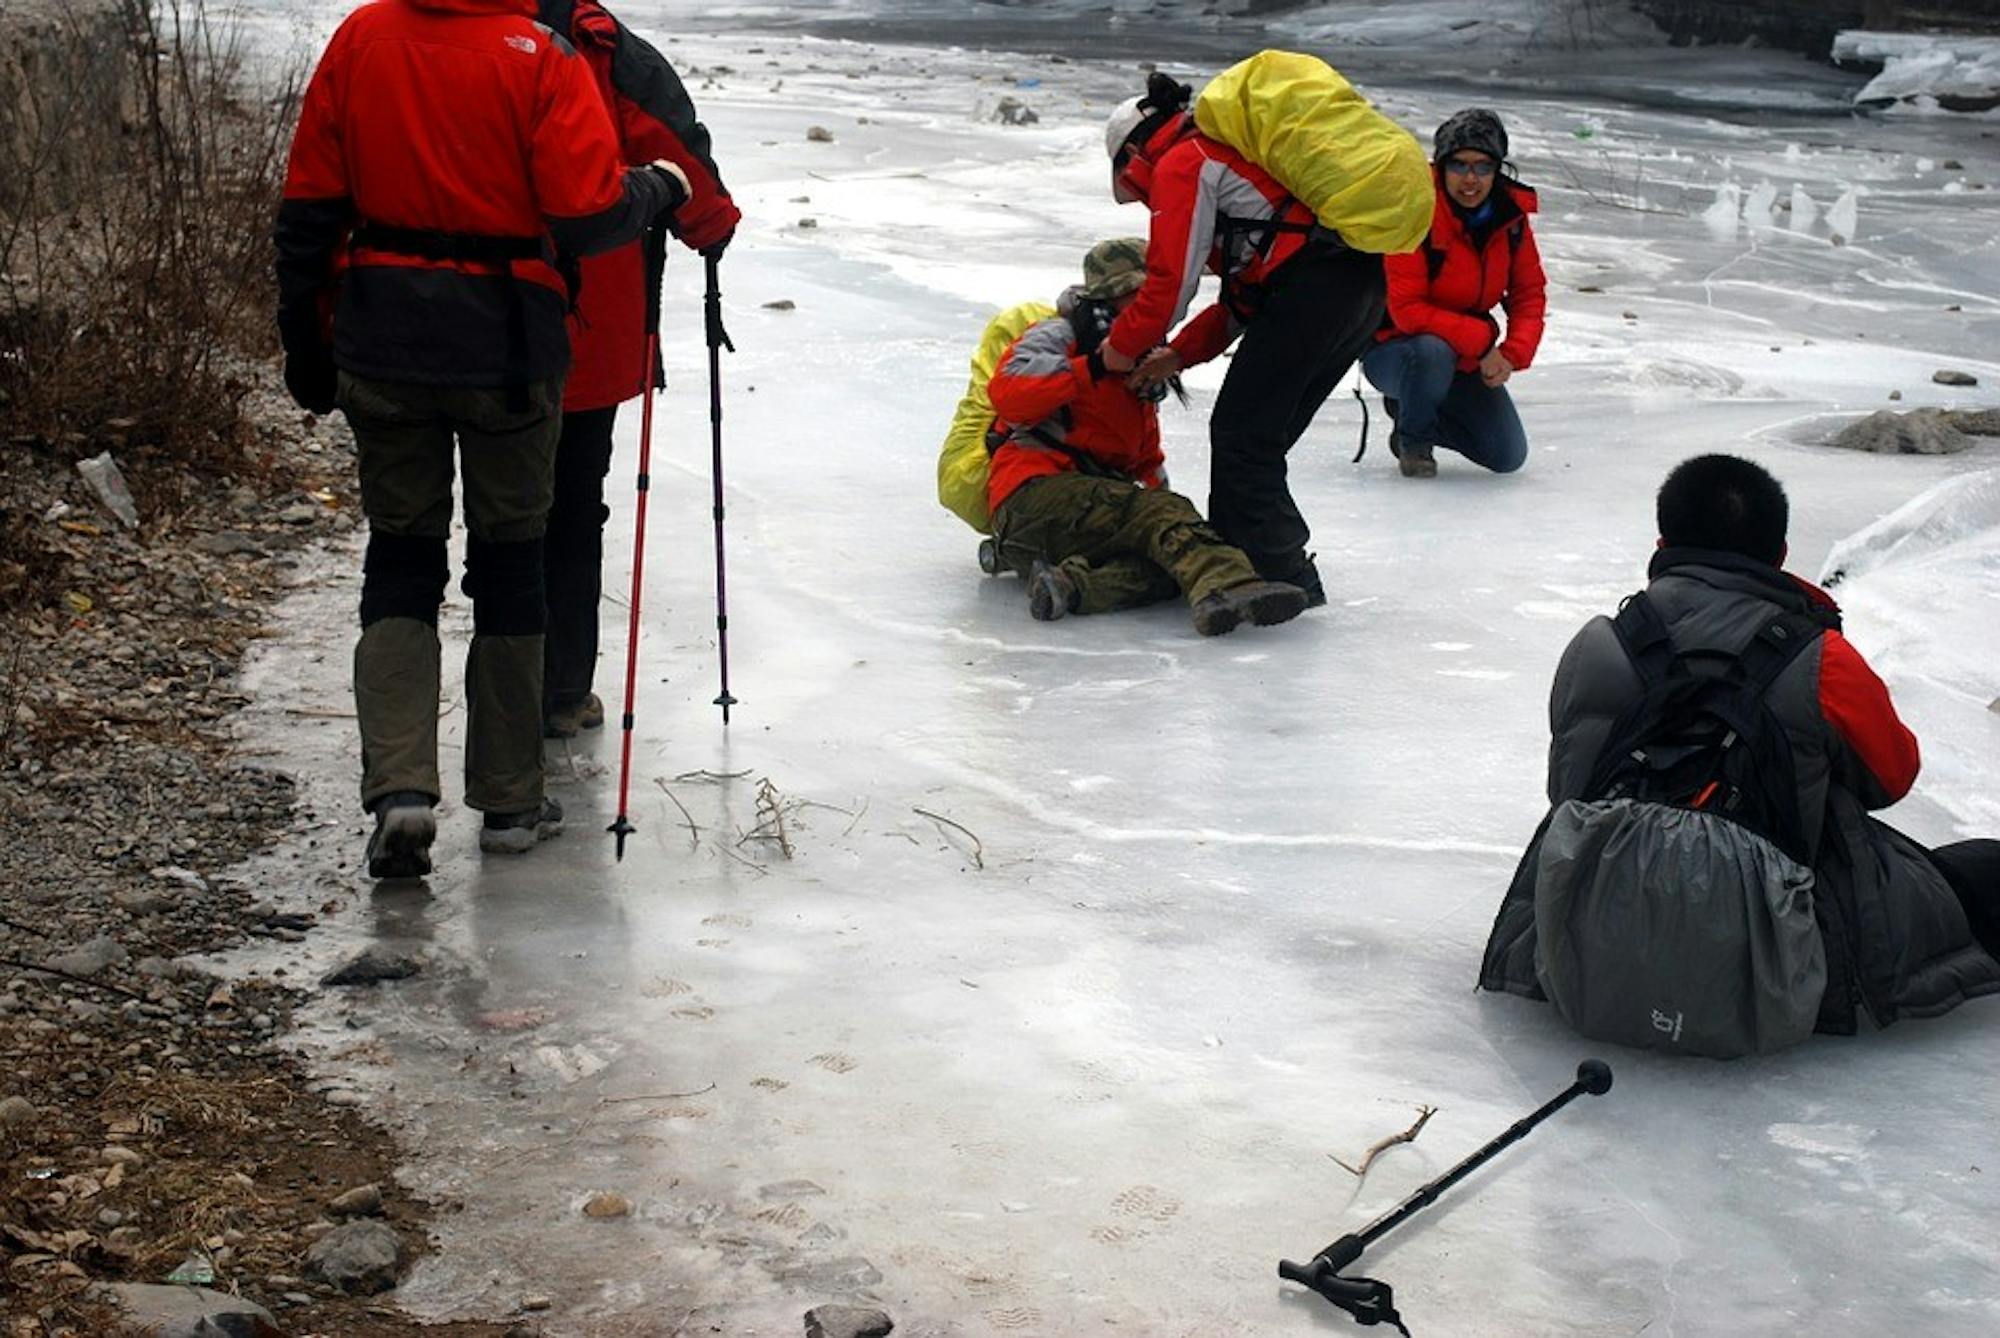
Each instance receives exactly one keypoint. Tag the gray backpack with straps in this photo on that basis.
(1674, 900)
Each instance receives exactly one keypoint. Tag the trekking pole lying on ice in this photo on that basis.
(655, 249)
(1372, 1302)
(718, 339)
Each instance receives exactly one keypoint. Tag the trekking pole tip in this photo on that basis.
(621, 829)
(1594, 1076)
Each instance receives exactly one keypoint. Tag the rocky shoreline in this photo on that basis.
(154, 1125)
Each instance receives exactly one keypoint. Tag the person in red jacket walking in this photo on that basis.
(449, 155)
(1442, 362)
(1304, 304)
(655, 120)
(1078, 484)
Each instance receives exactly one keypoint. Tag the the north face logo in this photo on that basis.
(522, 44)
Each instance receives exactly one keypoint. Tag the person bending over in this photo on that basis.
(1078, 482)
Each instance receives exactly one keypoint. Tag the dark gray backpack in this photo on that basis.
(1674, 900)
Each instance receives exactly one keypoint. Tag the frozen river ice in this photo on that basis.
(1193, 917)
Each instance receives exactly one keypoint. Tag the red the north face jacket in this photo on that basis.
(1197, 186)
(463, 121)
(1447, 286)
(654, 118)
(1050, 410)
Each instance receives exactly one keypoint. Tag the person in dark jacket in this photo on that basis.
(1908, 932)
(655, 120)
(449, 155)
(1077, 485)
(1304, 305)
(1442, 362)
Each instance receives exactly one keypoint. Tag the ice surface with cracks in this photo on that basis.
(1233, 892)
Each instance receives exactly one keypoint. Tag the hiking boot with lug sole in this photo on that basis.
(518, 833)
(1260, 602)
(566, 722)
(1051, 593)
(400, 845)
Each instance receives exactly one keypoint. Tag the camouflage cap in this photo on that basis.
(1115, 268)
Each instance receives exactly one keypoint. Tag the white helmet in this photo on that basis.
(1126, 117)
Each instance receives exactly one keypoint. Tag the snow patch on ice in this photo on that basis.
(1839, 1141)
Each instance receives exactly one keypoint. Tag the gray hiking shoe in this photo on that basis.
(1260, 602)
(566, 722)
(1051, 593)
(518, 833)
(400, 845)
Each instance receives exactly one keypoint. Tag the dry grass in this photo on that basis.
(135, 253)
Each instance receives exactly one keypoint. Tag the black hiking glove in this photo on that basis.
(310, 376)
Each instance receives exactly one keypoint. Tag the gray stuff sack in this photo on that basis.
(1668, 928)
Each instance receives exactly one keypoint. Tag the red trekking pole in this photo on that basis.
(655, 248)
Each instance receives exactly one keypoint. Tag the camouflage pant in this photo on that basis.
(1121, 544)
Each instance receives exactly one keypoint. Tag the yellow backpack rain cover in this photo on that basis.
(1295, 116)
(963, 464)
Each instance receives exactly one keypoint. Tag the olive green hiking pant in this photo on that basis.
(407, 437)
(1121, 544)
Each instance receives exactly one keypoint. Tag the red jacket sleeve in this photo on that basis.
(1206, 336)
(1177, 247)
(1037, 375)
(656, 119)
(573, 158)
(1412, 311)
(1856, 703)
(1526, 302)
(317, 210)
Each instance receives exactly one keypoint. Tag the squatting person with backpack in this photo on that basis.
(655, 120)
(1442, 362)
(450, 155)
(1709, 879)
(1076, 486)
(1302, 281)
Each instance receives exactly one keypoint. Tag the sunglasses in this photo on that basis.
(1482, 169)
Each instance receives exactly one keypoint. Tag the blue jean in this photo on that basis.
(1438, 405)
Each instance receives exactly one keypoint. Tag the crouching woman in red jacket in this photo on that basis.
(1441, 361)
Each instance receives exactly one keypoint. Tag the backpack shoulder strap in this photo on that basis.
(1643, 634)
(1776, 645)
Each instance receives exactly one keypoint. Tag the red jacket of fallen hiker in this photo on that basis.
(442, 126)
(655, 119)
(1055, 416)
(1450, 285)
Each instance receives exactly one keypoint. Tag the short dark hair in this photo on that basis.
(1724, 502)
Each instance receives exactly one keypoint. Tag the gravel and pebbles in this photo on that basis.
(153, 1121)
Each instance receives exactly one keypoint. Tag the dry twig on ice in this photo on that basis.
(978, 848)
(1381, 1146)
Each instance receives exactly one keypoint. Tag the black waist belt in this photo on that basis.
(477, 249)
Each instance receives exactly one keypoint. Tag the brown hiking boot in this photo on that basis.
(1416, 461)
(566, 722)
(1259, 602)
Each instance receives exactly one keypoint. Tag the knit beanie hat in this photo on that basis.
(1474, 128)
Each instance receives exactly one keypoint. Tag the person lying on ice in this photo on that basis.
(1077, 483)
(1441, 361)
(1881, 924)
